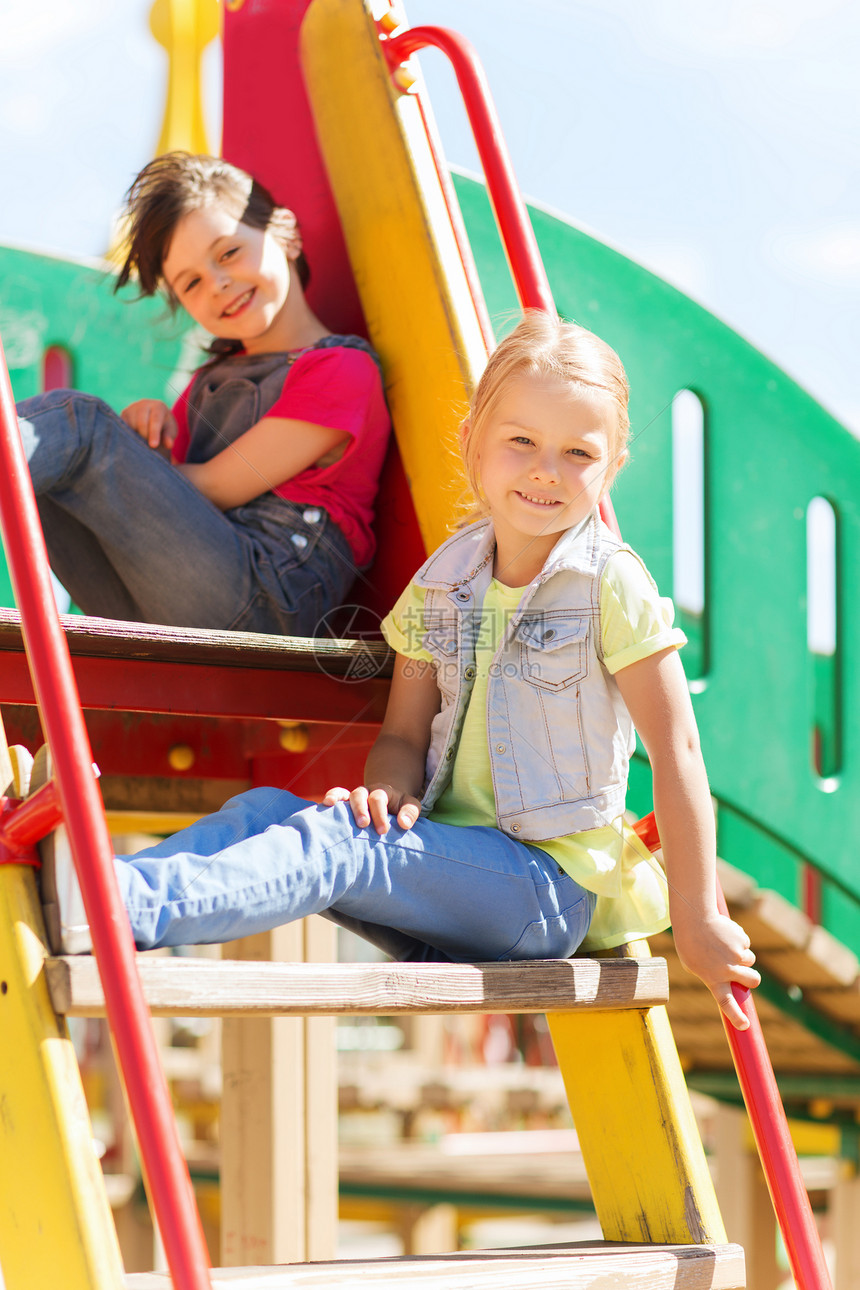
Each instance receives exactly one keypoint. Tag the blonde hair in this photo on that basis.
(543, 345)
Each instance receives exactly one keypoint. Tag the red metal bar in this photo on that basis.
(515, 228)
(32, 820)
(62, 719)
(769, 1124)
(14, 852)
(518, 237)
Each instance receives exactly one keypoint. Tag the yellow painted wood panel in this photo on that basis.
(55, 1221)
(639, 1139)
(408, 270)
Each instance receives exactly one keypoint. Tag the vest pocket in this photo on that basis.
(553, 650)
(441, 643)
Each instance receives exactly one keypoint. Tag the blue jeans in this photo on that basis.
(131, 538)
(436, 892)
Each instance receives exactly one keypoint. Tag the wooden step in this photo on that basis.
(551, 1267)
(190, 987)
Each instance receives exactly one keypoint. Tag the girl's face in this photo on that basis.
(545, 459)
(232, 279)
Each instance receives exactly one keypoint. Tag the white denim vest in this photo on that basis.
(560, 736)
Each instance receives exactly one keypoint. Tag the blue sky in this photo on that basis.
(717, 143)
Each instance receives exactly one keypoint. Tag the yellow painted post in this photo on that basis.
(639, 1138)
(55, 1221)
(184, 28)
(414, 291)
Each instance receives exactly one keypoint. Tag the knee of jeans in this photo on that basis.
(56, 399)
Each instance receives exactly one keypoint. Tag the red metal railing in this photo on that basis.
(769, 1126)
(518, 239)
(749, 1052)
(63, 723)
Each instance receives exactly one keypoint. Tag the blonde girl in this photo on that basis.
(528, 647)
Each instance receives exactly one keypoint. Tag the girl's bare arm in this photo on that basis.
(271, 452)
(394, 772)
(710, 945)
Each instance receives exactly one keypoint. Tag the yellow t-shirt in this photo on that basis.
(635, 622)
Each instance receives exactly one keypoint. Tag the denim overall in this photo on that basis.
(130, 538)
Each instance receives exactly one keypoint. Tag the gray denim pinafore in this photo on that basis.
(131, 538)
(303, 564)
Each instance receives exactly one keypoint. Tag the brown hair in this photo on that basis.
(178, 182)
(544, 345)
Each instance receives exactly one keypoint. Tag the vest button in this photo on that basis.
(515, 828)
(449, 754)
(470, 673)
(500, 748)
(548, 635)
(463, 595)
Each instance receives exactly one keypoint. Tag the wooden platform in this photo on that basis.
(223, 698)
(552, 1267)
(204, 987)
(499, 1171)
(143, 668)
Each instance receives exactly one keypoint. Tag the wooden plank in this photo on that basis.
(773, 923)
(845, 1218)
(523, 1171)
(738, 888)
(107, 638)
(823, 962)
(202, 988)
(744, 1198)
(131, 667)
(320, 1109)
(572, 1267)
(843, 1004)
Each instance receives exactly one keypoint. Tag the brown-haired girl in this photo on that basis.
(247, 505)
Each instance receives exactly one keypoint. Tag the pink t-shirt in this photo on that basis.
(340, 388)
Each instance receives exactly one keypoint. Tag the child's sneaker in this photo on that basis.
(62, 902)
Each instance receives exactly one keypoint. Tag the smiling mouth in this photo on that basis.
(539, 501)
(238, 305)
